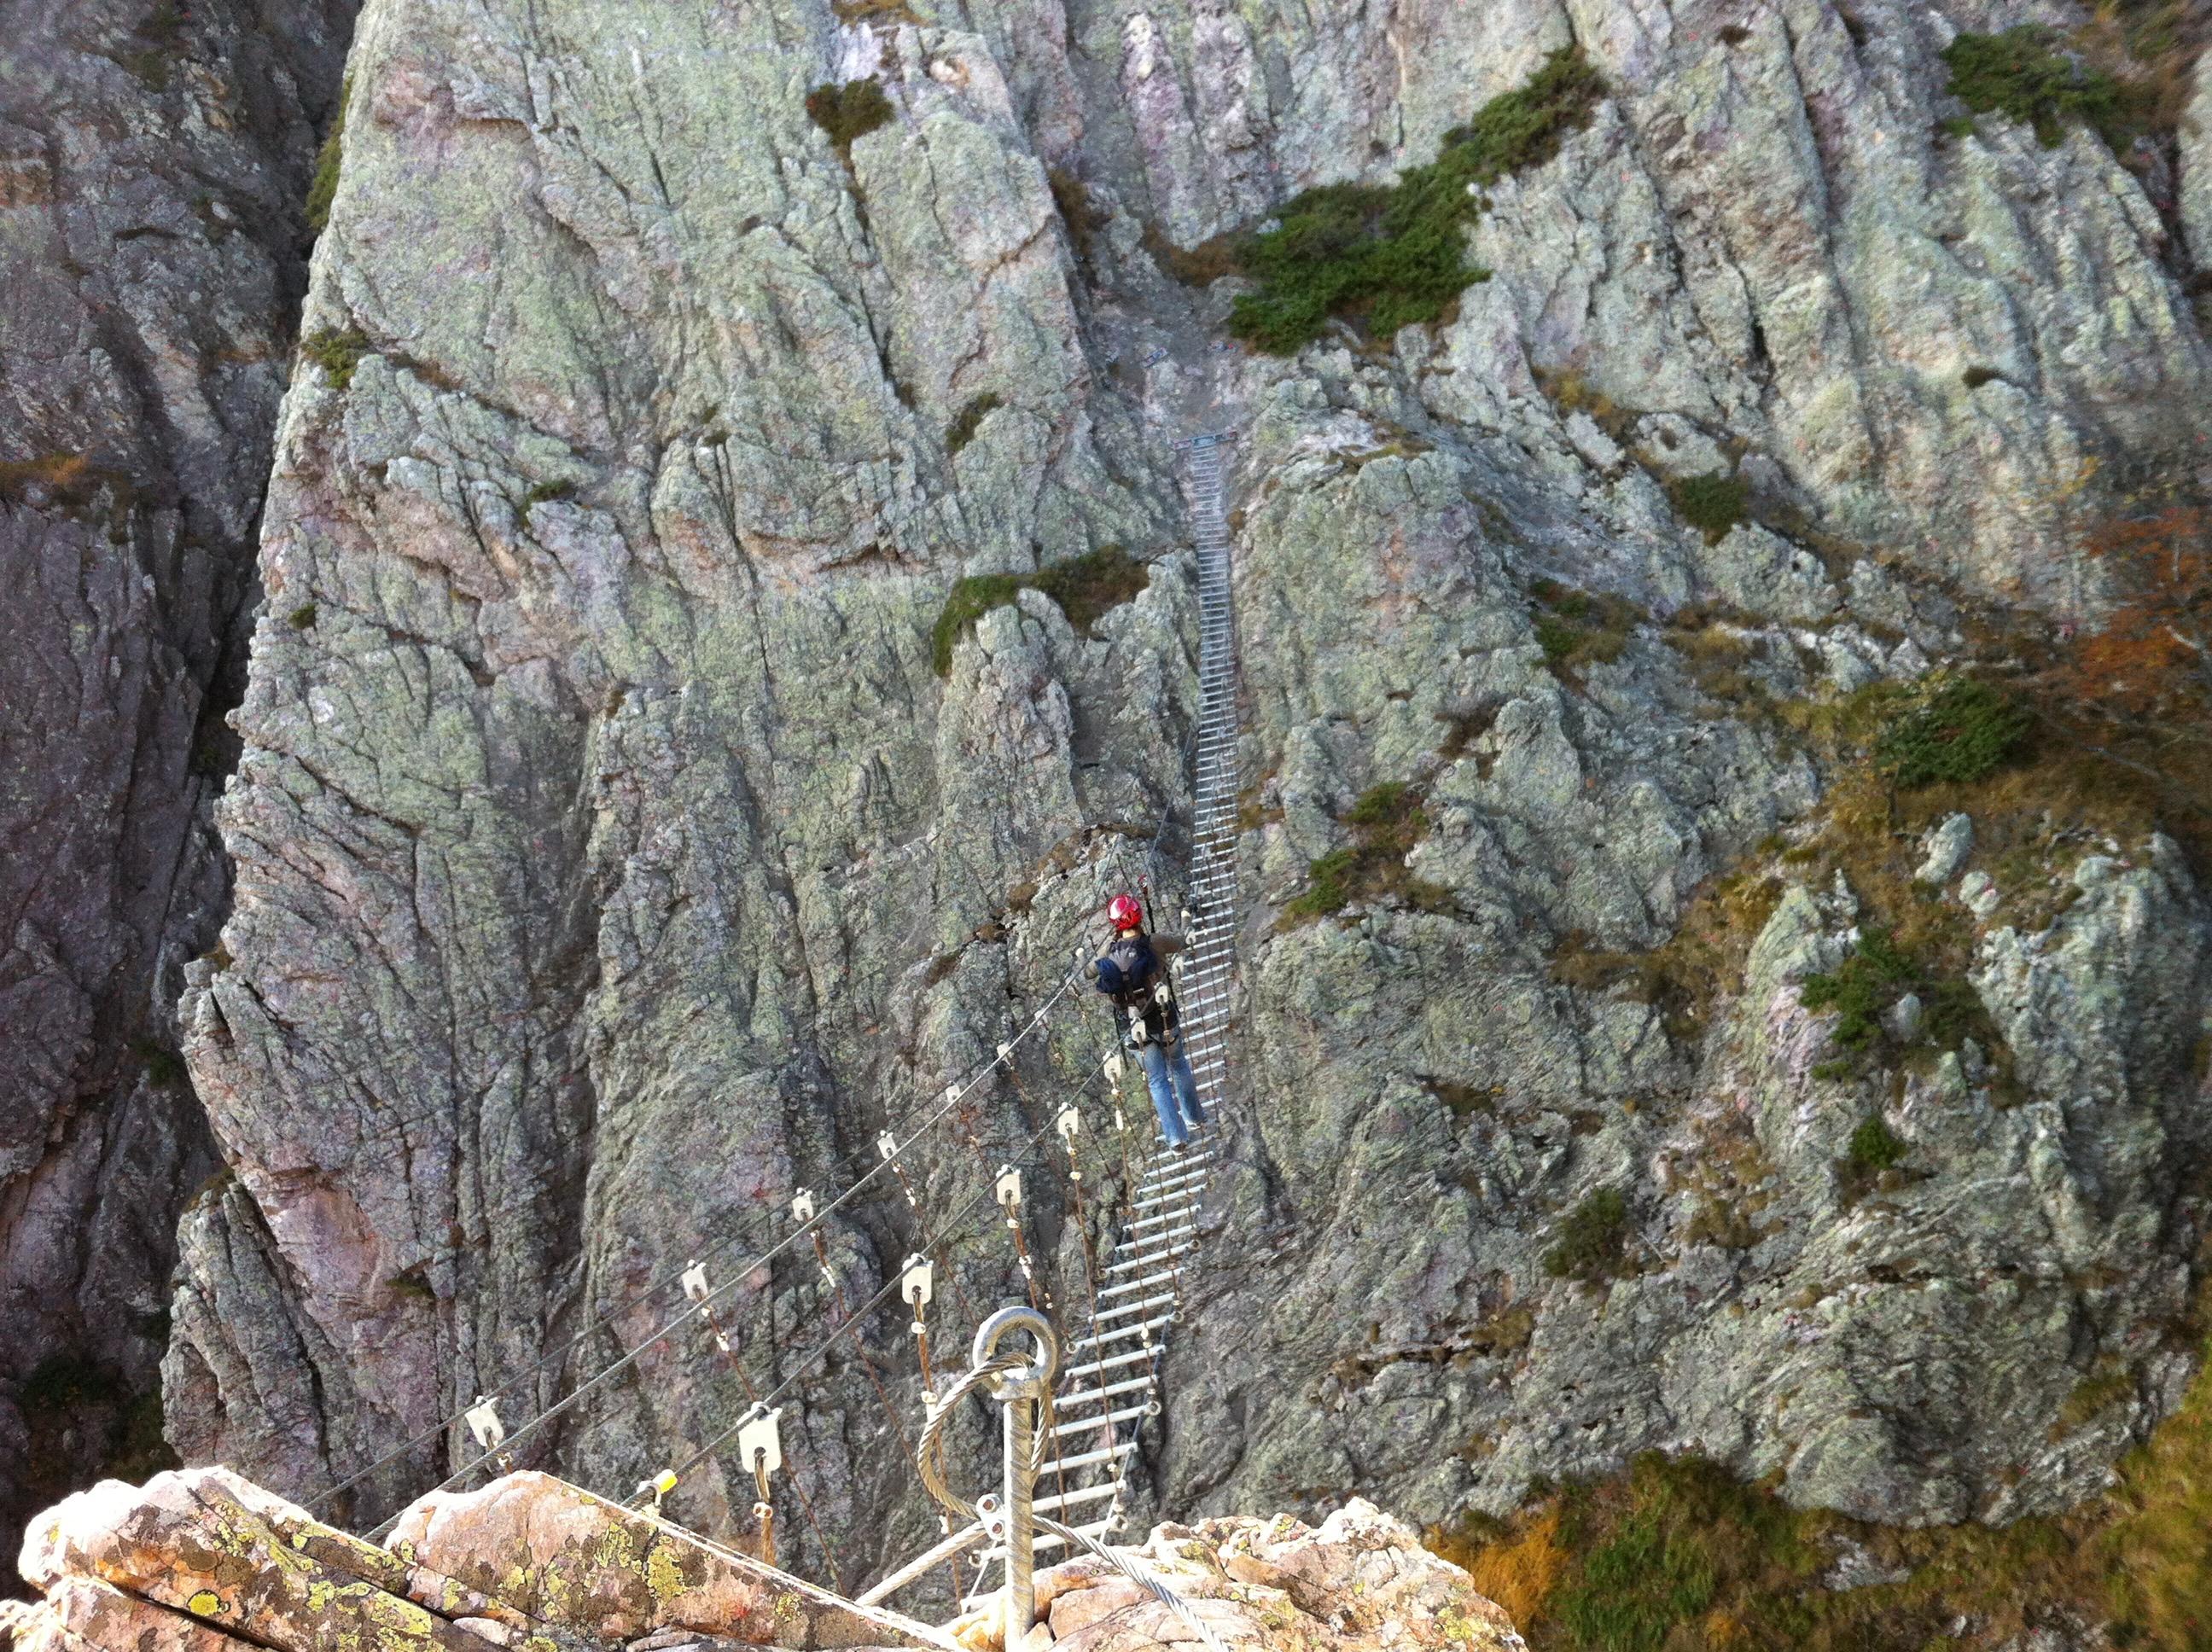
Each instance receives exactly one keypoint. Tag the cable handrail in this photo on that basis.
(604, 1318)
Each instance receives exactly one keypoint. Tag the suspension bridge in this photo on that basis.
(1087, 1406)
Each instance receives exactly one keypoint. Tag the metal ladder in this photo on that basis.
(1112, 1382)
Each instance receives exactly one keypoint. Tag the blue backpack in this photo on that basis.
(1126, 969)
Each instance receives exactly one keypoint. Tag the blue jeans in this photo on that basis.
(1175, 1092)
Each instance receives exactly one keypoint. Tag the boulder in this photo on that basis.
(575, 1561)
(80, 1614)
(1360, 1582)
(224, 1553)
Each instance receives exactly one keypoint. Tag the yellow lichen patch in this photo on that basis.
(663, 1573)
(206, 1603)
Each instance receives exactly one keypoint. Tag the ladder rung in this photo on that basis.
(1112, 1363)
(1125, 1414)
(1162, 1198)
(1069, 1499)
(1166, 1237)
(1089, 1459)
(1146, 1261)
(1139, 1329)
(1164, 1184)
(1144, 1284)
(1044, 1541)
(1165, 1300)
(1091, 1396)
(1183, 1194)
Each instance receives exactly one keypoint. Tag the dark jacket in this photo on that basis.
(1133, 973)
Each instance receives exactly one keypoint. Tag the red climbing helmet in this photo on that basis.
(1124, 914)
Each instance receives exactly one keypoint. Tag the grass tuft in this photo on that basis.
(1396, 256)
(1083, 217)
(1578, 628)
(323, 188)
(1386, 822)
(961, 430)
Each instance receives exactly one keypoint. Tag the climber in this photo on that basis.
(1132, 973)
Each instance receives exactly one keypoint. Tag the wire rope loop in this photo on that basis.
(1035, 1375)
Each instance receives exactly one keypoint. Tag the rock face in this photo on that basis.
(153, 160)
(612, 862)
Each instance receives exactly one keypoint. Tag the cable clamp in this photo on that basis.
(1114, 1072)
(694, 1282)
(1069, 1123)
(887, 1145)
(915, 1284)
(760, 1442)
(484, 1422)
(802, 1206)
(656, 1488)
(1008, 1190)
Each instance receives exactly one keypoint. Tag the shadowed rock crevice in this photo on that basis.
(152, 161)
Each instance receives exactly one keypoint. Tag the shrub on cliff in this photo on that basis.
(323, 189)
(1396, 256)
(849, 112)
(1591, 1242)
(2020, 75)
(1961, 731)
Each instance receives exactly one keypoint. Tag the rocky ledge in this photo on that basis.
(203, 1561)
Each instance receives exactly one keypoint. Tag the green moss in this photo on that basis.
(1591, 1242)
(1712, 504)
(337, 351)
(1960, 730)
(2020, 75)
(323, 188)
(301, 618)
(1086, 588)
(545, 493)
(1396, 256)
(1386, 822)
(849, 112)
(961, 430)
